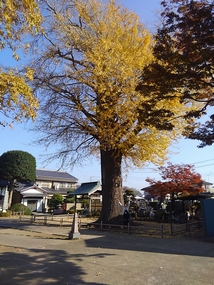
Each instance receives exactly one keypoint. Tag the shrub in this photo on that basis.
(5, 214)
(27, 211)
(20, 208)
(95, 213)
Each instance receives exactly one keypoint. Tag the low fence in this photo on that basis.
(53, 220)
(155, 230)
(189, 229)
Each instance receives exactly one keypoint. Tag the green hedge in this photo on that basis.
(21, 209)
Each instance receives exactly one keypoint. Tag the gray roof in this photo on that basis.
(62, 191)
(24, 186)
(56, 176)
(87, 188)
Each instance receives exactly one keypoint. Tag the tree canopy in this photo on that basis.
(128, 194)
(17, 18)
(176, 180)
(184, 52)
(204, 133)
(56, 201)
(89, 65)
(17, 166)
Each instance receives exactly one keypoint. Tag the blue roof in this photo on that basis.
(87, 188)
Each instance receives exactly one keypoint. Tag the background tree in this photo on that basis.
(204, 133)
(91, 55)
(17, 166)
(128, 192)
(176, 180)
(17, 18)
(69, 198)
(56, 201)
(184, 48)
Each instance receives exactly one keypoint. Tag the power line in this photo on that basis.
(202, 161)
(204, 165)
(156, 171)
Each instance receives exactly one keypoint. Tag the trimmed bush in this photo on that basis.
(21, 209)
(27, 211)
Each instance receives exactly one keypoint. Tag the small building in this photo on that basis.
(91, 191)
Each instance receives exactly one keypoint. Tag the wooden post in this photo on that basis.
(129, 232)
(31, 219)
(162, 231)
(171, 229)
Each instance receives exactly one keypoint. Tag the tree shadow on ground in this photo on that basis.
(148, 244)
(34, 266)
(95, 238)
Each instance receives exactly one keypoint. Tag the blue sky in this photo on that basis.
(185, 151)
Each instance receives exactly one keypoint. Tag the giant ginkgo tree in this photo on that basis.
(88, 63)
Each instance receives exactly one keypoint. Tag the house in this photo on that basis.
(57, 180)
(36, 195)
(208, 187)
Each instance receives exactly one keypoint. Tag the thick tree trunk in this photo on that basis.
(111, 186)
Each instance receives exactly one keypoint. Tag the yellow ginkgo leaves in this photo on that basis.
(17, 18)
(16, 98)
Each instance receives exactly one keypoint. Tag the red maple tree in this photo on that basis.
(177, 180)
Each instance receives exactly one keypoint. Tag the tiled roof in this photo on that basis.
(87, 188)
(20, 187)
(62, 191)
(23, 185)
(56, 176)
